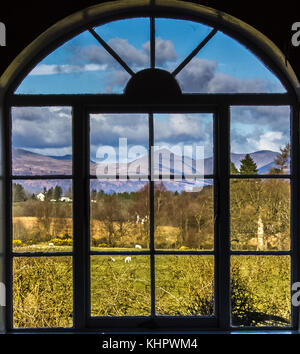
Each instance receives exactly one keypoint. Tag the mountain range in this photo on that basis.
(28, 163)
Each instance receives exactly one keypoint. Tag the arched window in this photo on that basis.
(152, 175)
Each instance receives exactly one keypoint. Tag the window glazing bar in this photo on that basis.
(152, 42)
(259, 176)
(194, 52)
(111, 51)
(152, 215)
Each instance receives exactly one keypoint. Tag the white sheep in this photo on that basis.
(128, 259)
(138, 246)
(51, 244)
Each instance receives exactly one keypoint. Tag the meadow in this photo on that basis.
(43, 288)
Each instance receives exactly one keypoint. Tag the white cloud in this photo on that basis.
(268, 141)
(46, 69)
(42, 128)
(164, 51)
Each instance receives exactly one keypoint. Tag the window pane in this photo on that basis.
(129, 38)
(119, 145)
(79, 66)
(260, 290)
(42, 292)
(182, 141)
(175, 40)
(184, 285)
(119, 215)
(184, 215)
(260, 214)
(41, 141)
(262, 132)
(223, 65)
(42, 216)
(120, 286)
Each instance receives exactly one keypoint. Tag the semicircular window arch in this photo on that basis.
(102, 60)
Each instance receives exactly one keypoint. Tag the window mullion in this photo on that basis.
(222, 163)
(80, 214)
(295, 207)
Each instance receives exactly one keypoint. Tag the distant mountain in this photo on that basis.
(261, 158)
(28, 163)
(64, 157)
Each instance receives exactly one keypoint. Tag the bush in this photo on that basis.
(62, 242)
(17, 243)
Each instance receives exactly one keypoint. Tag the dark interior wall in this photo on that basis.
(27, 19)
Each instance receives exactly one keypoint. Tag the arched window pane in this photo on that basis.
(175, 40)
(130, 39)
(79, 66)
(225, 66)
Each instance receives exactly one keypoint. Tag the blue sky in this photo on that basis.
(81, 65)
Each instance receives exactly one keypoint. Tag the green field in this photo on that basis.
(260, 288)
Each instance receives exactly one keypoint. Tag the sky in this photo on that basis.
(82, 65)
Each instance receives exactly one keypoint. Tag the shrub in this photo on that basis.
(62, 242)
(17, 243)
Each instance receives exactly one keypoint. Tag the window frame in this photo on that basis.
(220, 104)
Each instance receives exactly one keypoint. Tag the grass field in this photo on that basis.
(43, 288)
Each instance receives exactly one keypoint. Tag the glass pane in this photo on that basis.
(79, 66)
(183, 143)
(184, 215)
(175, 40)
(120, 286)
(260, 214)
(184, 285)
(42, 292)
(263, 133)
(41, 141)
(42, 216)
(226, 66)
(129, 38)
(260, 290)
(119, 145)
(119, 215)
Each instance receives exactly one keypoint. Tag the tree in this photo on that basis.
(57, 194)
(69, 193)
(49, 194)
(248, 166)
(19, 194)
(93, 194)
(233, 169)
(282, 160)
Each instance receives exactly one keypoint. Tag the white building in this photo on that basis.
(65, 199)
(41, 197)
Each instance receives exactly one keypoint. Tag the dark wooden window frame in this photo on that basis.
(219, 105)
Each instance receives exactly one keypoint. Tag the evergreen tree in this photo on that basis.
(19, 194)
(49, 194)
(233, 169)
(57, 194)
(248, 166)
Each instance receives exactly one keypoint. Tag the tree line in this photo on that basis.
(259, 212)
